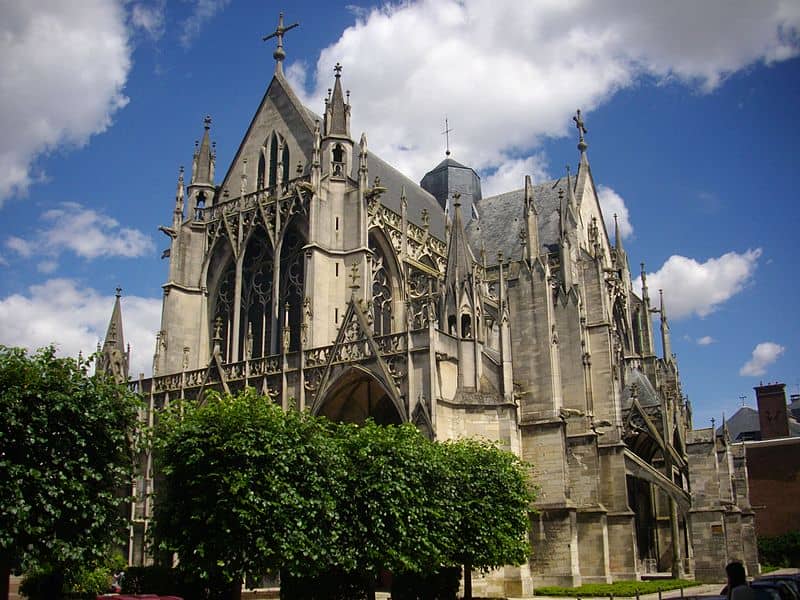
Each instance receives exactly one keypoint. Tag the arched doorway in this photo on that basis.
(357, 396)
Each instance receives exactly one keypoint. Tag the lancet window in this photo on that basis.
(385, 288)
(257, 296)
(221, 323)
(263, 313)
(273, 160)
(292, 286)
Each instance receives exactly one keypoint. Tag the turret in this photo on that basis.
(337, 111)
(337, 146)
(114, 357)
(201, 188)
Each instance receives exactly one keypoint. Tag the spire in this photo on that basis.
(337, 111)
(204, 157)
(666, 342)
(645, 293)
(279, 55)
(617, 236)
(459, 256)
(177, 216)
(113, 358)
(531, 221)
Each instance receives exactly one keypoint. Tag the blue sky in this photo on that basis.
(690, 110)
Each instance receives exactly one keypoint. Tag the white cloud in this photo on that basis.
(75, 317)
(706, 340)
(47, 266)
(764, 354)
(84, 231)
(611, 203)
(202, 12)
(511, 175)
(694, 288)
(63, 70)
(149, 18)
(524, 67)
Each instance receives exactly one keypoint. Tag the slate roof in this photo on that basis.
(645, 391)
(501, 217)
(745, 420)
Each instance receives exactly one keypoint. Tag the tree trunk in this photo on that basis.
(5, 576)
(467, 581)
(371, 588)
(236, 590)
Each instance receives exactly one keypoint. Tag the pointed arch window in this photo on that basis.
(257, 296)
(223, 311)
(262, 170)
(466, 325)
(285, 163)
(337, 161)
(385, 285)
(273, 160)
(381, 298)
(292, 286)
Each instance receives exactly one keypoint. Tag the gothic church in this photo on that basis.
(316, 272)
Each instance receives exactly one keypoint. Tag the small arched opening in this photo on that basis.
(357, 396)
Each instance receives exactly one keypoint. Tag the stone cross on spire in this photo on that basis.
(581, 130)
(279, 54)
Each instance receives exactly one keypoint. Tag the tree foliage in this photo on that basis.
(491, 501)
(395, 514)
(247, 489)
(64, 456)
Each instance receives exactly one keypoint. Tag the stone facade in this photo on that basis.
(317, 273)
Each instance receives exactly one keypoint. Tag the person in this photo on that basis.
(738, 588)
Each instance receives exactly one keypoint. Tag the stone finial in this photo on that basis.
(579, 123)
(279, 32)
(207, 122)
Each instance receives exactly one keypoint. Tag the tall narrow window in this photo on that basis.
(285, 161)
(262, 168)
(273, 161)
(223, 312)
(337, 160)
(257, 295)
(381, 298)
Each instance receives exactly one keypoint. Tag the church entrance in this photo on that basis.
(357, 396)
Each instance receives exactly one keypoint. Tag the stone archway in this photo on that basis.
(356, 396)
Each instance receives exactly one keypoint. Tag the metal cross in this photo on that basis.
(279, 54)
(579, 123)
(446, 133)
(207, 122)
(337, 69)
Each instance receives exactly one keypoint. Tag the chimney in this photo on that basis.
(773, 416)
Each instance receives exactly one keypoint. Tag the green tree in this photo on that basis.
(64, 455)
(393, 509)
(491, 497)
(245, 489)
